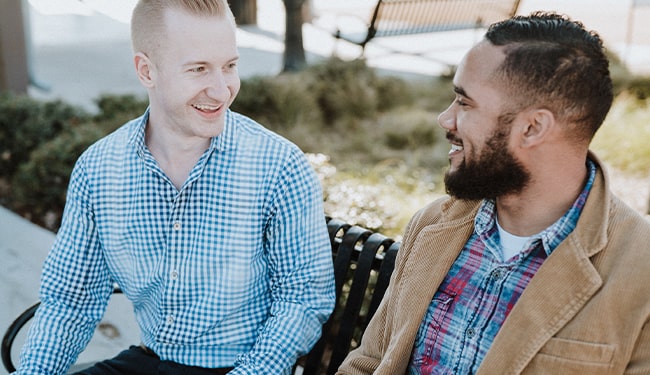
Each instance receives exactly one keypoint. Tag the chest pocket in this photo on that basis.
(424, 349)
(563, 356)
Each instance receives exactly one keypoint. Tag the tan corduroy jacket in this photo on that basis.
(586, 311)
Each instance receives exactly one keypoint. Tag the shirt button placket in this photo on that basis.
(173, 274)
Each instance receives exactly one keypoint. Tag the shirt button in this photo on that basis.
(496, 274)
(170, 319)
(174, 275)
(177, 226)
(471, 333)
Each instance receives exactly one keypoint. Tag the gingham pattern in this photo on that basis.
(233, 269)
(479, 291)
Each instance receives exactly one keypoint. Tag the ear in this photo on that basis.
(538, 125)
(144, 69)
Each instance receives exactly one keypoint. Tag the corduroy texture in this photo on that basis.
(586, 311)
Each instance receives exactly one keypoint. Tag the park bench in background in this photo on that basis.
(363, 263)
(408, 17)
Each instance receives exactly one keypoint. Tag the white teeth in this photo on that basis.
(455, 148)
(205, 107)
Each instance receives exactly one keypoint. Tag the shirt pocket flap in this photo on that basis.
(578, 350)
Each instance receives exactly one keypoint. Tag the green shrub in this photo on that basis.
(639, 87)
(26, 123)
(380, 132)
(51, 137)
(40, 184)
(277, 102)
(326, 94)
(624, 138)
(343, 89)
(118, 109)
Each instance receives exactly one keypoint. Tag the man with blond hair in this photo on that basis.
(211, 225)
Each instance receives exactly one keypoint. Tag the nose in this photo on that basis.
(218, 86)
(447, 118)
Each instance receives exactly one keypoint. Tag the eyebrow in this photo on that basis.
(461, 91)
(202, 62)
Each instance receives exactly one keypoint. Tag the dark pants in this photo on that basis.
(139, 361)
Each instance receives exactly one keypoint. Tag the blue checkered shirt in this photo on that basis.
(235, 269)
(480, 289)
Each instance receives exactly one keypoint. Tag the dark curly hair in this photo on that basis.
(554, 62)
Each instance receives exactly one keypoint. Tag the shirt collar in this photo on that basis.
(552, 236)
(222, 142)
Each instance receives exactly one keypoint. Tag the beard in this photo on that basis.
(496, 172)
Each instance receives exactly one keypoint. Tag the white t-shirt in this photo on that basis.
(511, 245)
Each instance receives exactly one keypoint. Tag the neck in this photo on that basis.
(175, 155)
(543, 202)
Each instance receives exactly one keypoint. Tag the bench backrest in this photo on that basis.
(363, 264)
(406, 17)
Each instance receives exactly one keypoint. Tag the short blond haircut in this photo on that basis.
(147, 20)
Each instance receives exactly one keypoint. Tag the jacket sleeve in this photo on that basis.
(367, 357)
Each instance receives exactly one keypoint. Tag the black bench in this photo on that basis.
(363, 263)
(408, 17)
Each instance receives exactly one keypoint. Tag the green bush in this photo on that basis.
(26, 123)
(41, 183)
(278, 102)
(380, 132)
(119, 109)
(343, 89)
(624, 138)
(44, 158)
(639, 87)
(327, 94)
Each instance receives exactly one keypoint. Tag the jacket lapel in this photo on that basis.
(561, 287)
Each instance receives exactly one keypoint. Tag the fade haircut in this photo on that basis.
(555, 63)
(147, 20)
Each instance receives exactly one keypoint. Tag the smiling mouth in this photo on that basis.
(206, 108)
(455, 148)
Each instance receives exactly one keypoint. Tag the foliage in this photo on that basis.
(347, 111)
(119, 109)
(373, 199)
(282, 101)
(639, 87)
(43, 180)
(374, 140)
(44, 167)
(323, 94)
(624, 138)
(26, 123)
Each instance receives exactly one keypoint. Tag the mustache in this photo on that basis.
(452, 138)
